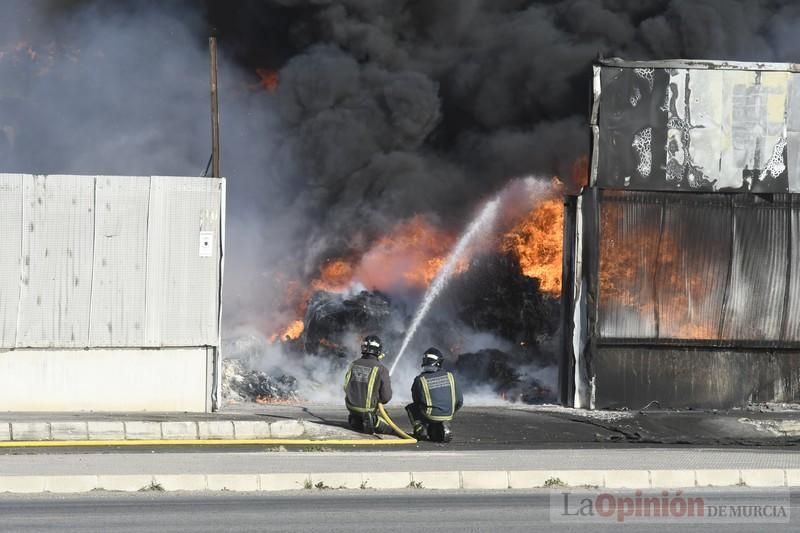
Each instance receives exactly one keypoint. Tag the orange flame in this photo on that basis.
(630, 258)
(409, 256)
(268, 79)
(335, 275)
(537, 241)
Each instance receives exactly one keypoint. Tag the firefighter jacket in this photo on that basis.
(365, 384)
(436, 393)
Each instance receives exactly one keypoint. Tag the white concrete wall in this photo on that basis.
(122, 379)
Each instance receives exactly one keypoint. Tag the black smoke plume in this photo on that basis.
(384, 108)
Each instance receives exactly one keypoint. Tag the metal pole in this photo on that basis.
(212, 46)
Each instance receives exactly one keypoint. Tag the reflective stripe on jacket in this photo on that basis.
(437, 395)
(365, 384)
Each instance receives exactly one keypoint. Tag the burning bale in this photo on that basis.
(331, 320)
(495, 296)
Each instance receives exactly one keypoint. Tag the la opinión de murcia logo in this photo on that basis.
(664, 505)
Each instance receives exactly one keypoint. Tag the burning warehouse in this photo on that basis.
(360, 138)
(681, 285)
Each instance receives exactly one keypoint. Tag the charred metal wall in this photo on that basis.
(697, 299)
(686, 376)
(683, 284)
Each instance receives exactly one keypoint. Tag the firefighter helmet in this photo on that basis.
(371, 345)
(432, 357)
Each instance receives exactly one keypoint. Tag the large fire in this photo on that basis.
(537, 241)
(409, 256)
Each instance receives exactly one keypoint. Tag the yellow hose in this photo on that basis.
(386, 418)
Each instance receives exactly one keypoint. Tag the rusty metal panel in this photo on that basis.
(183, 262)
(696, 129)
(629, 231)
(120, 261)
(10, 265)
(57, 248)
(754, 309)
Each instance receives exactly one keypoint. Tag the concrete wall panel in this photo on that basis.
(126, 379)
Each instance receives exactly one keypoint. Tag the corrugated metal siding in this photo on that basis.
(703, 267)
(10, 246)
(793, 308)
(692, 268)
(57, 247)
(182, 289)
(758, 276)
(109, 261)
(628, 249)
(120, 261)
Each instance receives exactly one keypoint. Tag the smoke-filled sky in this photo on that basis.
(384, 108)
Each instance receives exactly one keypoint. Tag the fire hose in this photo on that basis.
(386, 418)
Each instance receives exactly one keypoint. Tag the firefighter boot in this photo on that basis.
(447, 433)
(355, 422)
(419, 432)
(369, 423)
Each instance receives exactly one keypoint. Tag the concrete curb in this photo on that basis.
(150, 430)
(442, 480)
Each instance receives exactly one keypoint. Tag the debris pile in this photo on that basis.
(240, 384)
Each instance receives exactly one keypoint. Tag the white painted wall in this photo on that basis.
(117, 379)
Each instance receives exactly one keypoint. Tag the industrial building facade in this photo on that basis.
(682, 256)
(110, 292)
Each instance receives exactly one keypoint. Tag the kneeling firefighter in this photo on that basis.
(367, 383)
(436, 398)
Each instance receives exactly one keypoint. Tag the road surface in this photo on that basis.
(323, 511)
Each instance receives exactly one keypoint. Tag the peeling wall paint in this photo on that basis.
(697, 129)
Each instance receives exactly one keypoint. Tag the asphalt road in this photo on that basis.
(410, 510)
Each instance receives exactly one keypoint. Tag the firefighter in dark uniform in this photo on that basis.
(366, 384)
(436, 398)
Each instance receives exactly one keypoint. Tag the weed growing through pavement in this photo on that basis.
(554, 482)
(152, 487)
